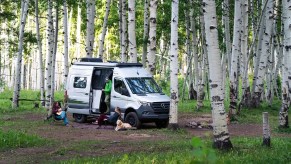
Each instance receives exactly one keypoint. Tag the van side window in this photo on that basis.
(80, 82)
(120, 87)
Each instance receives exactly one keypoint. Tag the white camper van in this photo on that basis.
(134, 91)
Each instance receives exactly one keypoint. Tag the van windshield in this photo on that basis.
(143, 85)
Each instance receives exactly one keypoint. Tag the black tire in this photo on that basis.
(133, 120)
(80, 118)
(162, 123)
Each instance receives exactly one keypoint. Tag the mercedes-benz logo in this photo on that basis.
(163, 105)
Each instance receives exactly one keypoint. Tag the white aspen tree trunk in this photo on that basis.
(152, 46)
(236, 51)
(23, 75)
(186, 55)
(29, 79)
(269, 78)
(50, 51)
(70, 17)
(17, 80)
(173, 121)
(104, 29)
(220, 131)
(259, 86)
(246, 92)
(53, 71)
(66, 44)
(78, 31)
(227, 40)
(187, 61)
(131, 32)
(123, 32)
(120, 26)
(276, 46)
(145, 31)
(201, 77)
(40, 62)
(286, 78)
(194, 50)
(266, 130)
(90, 32)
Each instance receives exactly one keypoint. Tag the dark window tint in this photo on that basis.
(80, 82)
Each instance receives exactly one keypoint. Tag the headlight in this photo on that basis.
(144, 103)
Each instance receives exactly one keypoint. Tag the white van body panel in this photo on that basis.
(79, 94)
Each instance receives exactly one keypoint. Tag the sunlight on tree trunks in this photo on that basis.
(220, 131)
(173, 122)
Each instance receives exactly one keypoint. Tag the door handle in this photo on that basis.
(86, 93)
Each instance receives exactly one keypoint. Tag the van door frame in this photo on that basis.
(97, 84)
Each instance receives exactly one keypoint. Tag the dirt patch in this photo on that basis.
(111, 141)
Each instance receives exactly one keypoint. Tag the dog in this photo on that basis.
(121, 125)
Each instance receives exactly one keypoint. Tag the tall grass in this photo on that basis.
(6, 103)
(17, 139)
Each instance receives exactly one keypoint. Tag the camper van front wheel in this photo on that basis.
(80, 118)
(132, 119)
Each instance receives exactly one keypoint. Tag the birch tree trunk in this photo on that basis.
(286, 77)
(53, 70)
(16, 92)
(131, 32)
(90, 32)
(236, 51)
(104, 29)
(259, 84)
(220, 131)
(120, 26)
(194, 51)
(78, 36)
(50, 51)
(227, 40)
(40, 62)
(201, 63)
(246, 92)
(173, 122)
(123, 32)
(145, 31)
(66, 44)
(152, 37)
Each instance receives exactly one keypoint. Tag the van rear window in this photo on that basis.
(80, 82)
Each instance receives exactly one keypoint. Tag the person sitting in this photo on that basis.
(111, 119)
(59, 114)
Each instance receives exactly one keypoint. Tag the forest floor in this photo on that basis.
(84, 140)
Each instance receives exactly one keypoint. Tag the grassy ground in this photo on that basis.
(23, 136)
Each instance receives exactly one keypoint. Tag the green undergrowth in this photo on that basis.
(31, 97)
(19, 139)
(246, 150)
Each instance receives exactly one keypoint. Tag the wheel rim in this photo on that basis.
(131, 120)
(79, 116)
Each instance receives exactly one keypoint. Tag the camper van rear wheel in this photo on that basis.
(132, 119)
(80, 118)
(162, 123)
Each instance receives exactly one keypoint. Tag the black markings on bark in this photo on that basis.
(216, 98)
(214, 85)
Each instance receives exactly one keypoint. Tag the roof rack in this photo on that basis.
(129, 65)
(87, 59)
